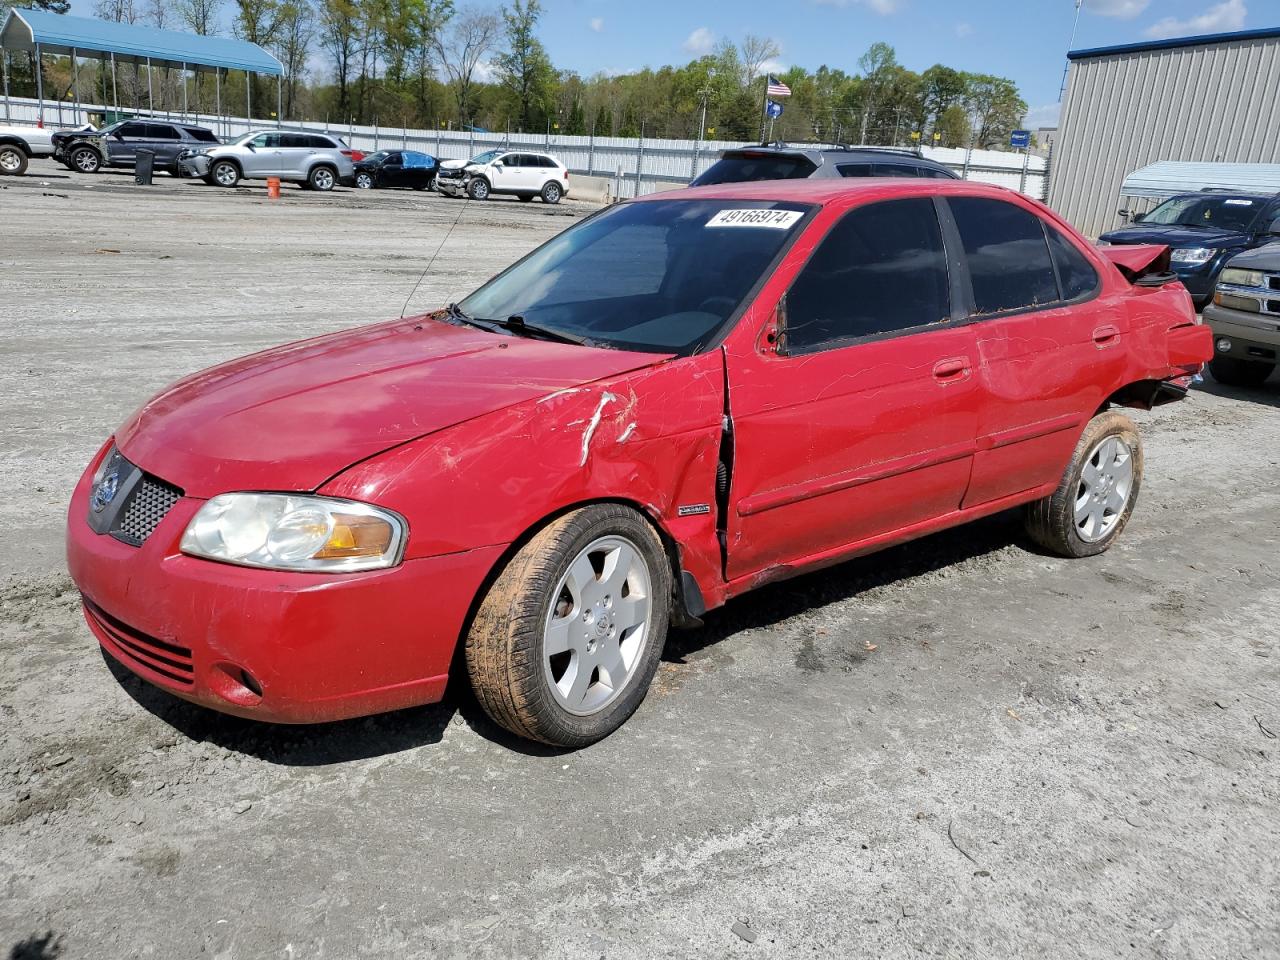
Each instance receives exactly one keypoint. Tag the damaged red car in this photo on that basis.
(674, 401)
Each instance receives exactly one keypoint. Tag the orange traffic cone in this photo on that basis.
(273, 188)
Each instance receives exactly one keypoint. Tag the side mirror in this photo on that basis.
(1139, 217)
(117, 134)
(251, 147)
(497, 164)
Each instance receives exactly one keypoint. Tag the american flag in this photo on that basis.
(777, 88)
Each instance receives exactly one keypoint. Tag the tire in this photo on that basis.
(86, 160)
(13, 160)
(322, 177)
(552, 192)
(224, 173)
(537, 598)
(1240, 373)
(364, 181)
(1096, 496)
(478, 189)
(419, 187)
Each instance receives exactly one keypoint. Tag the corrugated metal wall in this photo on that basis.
(1219, 101)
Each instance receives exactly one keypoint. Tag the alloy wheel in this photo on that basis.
(1106, 483)
(597, 628)
(322, 179)
(364, 181)
(10, 161)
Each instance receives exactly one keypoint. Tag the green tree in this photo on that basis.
(525, 69)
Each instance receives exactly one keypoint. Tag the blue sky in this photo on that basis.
(1024, 40)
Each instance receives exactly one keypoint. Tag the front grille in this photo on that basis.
(170, 661)
(151, 500)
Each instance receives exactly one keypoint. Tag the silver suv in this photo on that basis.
(315, 160)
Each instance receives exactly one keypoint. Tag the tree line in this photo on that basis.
(428, 63)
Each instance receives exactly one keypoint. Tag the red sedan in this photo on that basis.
(670, 403)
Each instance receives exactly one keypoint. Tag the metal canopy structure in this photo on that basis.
(40, 32)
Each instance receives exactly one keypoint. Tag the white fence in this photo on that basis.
(637, 165)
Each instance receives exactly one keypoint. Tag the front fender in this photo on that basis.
(651, 437)
(13, 141)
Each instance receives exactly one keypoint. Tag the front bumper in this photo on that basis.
(452, 186)
(1253, 336)
(281, 647)
(194, 166)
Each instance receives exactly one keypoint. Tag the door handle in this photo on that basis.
(951, 370)
(1106, 335)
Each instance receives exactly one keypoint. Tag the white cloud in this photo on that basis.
(485, 72)
(700, 41)
(774, 67)
(882, 7)
(964, 30)
(1221, 17)
(1045, 116)
(1124, 9)
(597, 24)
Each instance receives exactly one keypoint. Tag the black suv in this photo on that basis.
(1204, 231)
(118, 144)
(780, 162)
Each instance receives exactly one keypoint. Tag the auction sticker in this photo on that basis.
(755, 217)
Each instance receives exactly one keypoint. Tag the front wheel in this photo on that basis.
(478, 189)
(1235, 372)
(86, 160)
(568, 638)
(364, 181)
(552, 193)
(13, 161)
(1096, 496)
(224, 173)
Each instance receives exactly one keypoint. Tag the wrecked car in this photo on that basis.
(672, 402)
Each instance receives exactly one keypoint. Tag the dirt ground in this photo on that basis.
(957, 748)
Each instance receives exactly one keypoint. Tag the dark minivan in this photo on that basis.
(777, 162)
(1204, 230)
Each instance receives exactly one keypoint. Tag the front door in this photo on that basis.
(123, 149)
(391, 173)
(859, 423)
(1049, 350)
(263, 159)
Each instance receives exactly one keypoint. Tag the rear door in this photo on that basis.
(295, 155)
(166, 141)
(860, 423)
(1049, 349)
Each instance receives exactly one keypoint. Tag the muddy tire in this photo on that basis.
(13, 160)
(1240, 373)
(567, 640)
(1099, 488)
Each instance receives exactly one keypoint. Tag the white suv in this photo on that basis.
(523, 175)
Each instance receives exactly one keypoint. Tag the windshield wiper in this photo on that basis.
(457, 313)
(516, 324)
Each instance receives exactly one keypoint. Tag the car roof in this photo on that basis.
(825, 190)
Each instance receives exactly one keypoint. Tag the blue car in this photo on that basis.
(1204, 231)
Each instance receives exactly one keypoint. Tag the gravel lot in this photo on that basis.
(958, 748)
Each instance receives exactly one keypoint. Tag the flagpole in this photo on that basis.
(764, 110)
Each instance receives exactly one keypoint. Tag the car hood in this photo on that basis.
(1262, 258)
(293, 417)
(1175, 236)
(454, 164)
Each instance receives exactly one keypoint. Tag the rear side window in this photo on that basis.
(162, 131)
(882, 268)
(1007, 254)
(741, 168)
(855, 169)
(199, 133)
(318, 142)
(1076, 276)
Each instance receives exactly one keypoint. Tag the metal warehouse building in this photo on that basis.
(1209, 98)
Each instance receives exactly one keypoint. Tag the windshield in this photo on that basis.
(1200, 210)
(660, 276)
(741, 167)
(484, 158)
(376, 157)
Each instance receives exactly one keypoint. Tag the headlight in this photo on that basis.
(1243, 278)
(295, 532)
(1192, 255)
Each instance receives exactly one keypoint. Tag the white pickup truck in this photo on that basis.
(18, 144)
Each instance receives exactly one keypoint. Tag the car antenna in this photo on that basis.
(430, 262)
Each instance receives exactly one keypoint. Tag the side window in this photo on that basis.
(395, 157)
(1076, 275)
(318, 143)
(882, 268)
(892, 170)
(295, 141)
(161, 131)
(134, 131)
(546, 162)
(854, 169)
(1008, 257)
(267, 140)
(201, 134)
(511, 160)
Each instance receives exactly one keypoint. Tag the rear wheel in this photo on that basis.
(478, 189)
(568, 638)
(224, 173)
(1099, 488)
(1240, 373)
(86, 160)
(322, 178)
(13, 160)
(552, 192)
